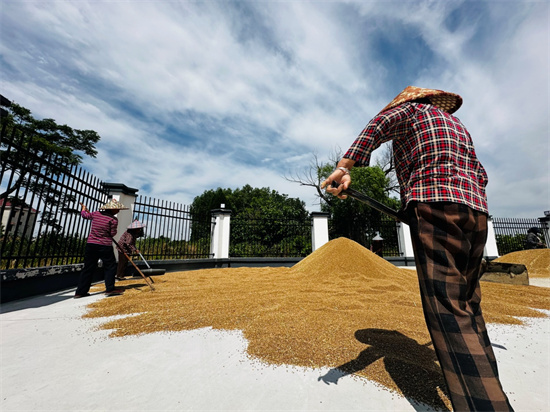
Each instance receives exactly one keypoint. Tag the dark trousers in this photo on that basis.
(449, 240)
(91, 256)
(122, 264)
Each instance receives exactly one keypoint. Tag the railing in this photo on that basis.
(172, 230)
(384, 227)
(39, 206)
(269, 238)
(388, 233)
(41, 224)
(512, 233)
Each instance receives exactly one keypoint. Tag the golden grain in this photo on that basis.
(537, 261)
(341, 307)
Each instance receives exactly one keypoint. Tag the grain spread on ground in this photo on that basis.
(341, 307)
(537, 261)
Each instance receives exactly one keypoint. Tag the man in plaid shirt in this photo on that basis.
(442, 187)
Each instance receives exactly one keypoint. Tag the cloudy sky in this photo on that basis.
(195, 95)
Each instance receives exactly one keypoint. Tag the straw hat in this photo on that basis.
(114, 204)
(449, 102)
(136, 224)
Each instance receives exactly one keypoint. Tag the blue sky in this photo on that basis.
(196, 95)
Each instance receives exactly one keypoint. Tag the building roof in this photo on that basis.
(22, 204)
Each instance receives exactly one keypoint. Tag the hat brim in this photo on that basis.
(446, 101)
(114, 205)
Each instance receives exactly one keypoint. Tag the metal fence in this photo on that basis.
(511, 233)
(39, 205)
(388, 232)
(172, 232)
(384, 227)
(41, 224)
(270, 237)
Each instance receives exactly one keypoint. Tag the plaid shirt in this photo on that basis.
(434, 155)
(127, 243)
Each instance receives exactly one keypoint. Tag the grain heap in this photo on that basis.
(537, 261)
(342, 306)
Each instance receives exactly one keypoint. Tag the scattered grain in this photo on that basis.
(342, 307)
(537, 261)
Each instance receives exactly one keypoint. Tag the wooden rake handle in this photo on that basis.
(132, 262)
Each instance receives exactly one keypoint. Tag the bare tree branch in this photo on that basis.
(312, 175)
(387, 163)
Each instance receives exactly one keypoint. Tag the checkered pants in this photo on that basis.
(448, 240)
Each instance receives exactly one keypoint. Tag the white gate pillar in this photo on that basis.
(544, 222)
(219, 244)
(491, 248)
(319, 230)
(404, 240)
(127, 196)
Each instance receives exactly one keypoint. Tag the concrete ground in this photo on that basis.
(53, 360)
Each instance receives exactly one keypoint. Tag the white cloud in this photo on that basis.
(189, 96)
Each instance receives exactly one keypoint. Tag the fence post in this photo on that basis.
(405, 242)
(219, 246)
(319, 231)
(544, 221)
(491, 248)
(127, 196)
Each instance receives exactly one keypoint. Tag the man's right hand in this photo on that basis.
(343, 180)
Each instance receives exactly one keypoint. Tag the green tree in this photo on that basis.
(510, 243)
(36, 150)
(200, 211)
(350, 218)
(260, 218)
(354, 219)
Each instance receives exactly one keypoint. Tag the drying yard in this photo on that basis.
(341, 330)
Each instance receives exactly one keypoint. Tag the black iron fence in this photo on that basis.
(172, 232)
(41, 223)
(39, 205)
(381, 233)
(388, 232)
(511, 233)
(270, 237)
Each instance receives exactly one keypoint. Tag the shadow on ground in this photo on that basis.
(412, 366)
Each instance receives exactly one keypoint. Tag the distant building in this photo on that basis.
(18, 218)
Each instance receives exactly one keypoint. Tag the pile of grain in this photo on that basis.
(342, 306)
(537, 261)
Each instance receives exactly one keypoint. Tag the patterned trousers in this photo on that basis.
(449, 240)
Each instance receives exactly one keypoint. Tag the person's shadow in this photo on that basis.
(412, 366)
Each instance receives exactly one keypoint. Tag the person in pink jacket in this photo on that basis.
(100, 246)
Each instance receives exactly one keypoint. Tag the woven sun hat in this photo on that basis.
(446, 101)
(114, 204)
(136, 224)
